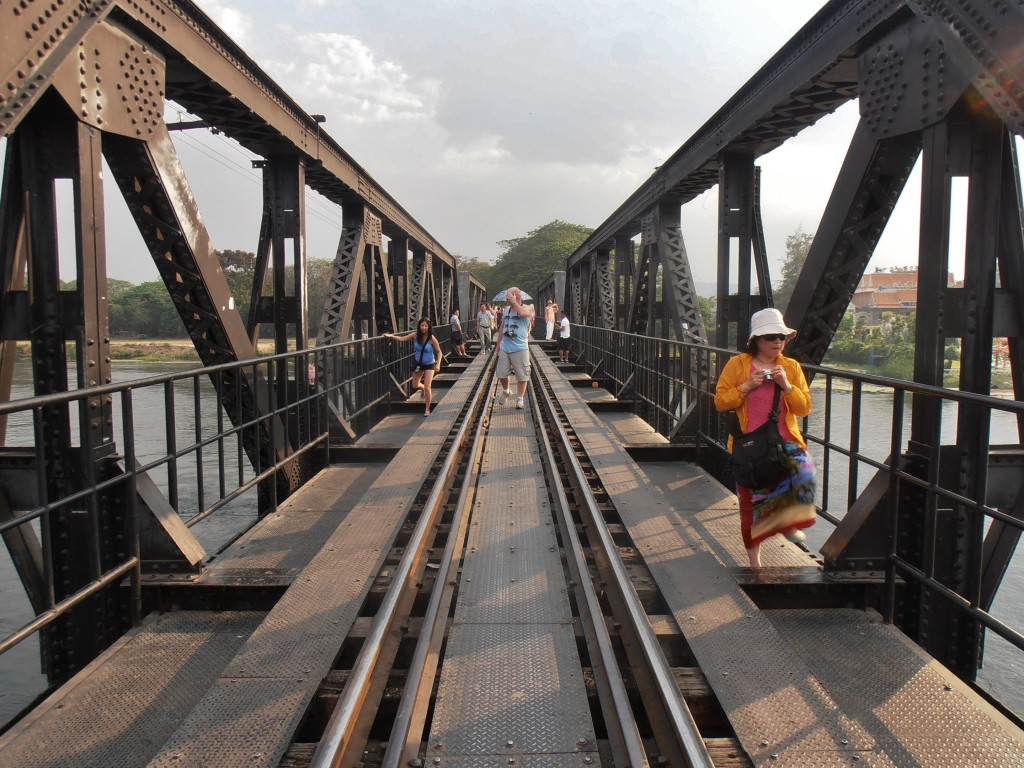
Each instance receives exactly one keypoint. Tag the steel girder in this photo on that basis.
(624, 276)
(284, 218)
(553, 288)
(157, 196)
(663, 264)
(984, 39)
(870, 181)
(56, 146)
(811, 76)
(587, 295)
(358, 248)
(739, 219)
(577, 278)
(472, 293)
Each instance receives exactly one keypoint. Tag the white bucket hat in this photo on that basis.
(769, 321)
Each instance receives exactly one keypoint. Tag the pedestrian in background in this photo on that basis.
(426, 355)
(458, 340)
(513, 350)
(563, 338)
(549, 319)
(484, 323)
(747, 385)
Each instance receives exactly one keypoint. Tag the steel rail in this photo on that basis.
(683, 725)
(632, 747)
(341, 726)
(94, 587)
(403, 747)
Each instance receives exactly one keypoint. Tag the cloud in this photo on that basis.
(488, 120)
(238, 24)
(340, 71)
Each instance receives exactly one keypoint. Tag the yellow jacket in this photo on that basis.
(728, 396)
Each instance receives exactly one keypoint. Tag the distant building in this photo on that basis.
(892, 292)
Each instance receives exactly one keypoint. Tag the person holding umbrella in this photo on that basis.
(513, 351)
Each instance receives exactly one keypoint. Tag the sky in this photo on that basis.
(487, 119)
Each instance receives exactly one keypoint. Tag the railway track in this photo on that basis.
(400, 677)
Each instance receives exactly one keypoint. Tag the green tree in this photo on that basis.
(318, 278)
(797, 246)
(707, 312)
(475, 266)
(528, 261)
(145, 310)
(239, 268)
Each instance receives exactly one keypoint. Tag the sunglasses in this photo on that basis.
(774, 337)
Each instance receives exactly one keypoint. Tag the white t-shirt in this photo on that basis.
(563, 328)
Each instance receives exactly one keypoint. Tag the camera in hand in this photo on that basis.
(767, 375)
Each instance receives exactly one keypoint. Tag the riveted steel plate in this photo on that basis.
(921, 713)
(578, 760)
(238, 724)
(511, 690)
(511, 571)
(287, 539)
(119, 710)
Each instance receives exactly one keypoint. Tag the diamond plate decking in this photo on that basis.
(511, 687)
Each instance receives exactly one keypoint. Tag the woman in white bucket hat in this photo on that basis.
(747, 386)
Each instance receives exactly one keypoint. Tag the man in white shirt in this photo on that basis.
(563, 339)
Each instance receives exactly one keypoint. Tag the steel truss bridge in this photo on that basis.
(940, 83)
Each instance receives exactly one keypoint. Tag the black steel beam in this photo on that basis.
(811, 76)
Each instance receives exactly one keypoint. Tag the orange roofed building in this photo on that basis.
(893, 292)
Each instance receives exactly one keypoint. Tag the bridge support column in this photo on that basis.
(738, 223)
(81, 541)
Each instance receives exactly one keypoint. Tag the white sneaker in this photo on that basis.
(504, 396)
(520, 403)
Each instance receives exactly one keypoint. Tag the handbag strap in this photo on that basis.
(773, 414)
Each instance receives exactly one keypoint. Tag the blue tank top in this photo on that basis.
(424, 352)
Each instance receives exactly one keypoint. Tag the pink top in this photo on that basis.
(759, 403)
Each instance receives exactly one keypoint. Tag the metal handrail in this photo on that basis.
(203, 451)
(624, 349)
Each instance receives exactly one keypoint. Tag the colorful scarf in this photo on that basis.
(790, 504)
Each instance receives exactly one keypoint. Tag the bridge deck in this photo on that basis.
(800, 687)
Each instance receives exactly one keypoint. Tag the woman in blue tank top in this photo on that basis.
(426, 356)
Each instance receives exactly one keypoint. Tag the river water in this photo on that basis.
(1003, 673)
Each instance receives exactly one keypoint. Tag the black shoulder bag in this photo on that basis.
(759, 457)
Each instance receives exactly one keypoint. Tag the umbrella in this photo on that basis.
(503, 295)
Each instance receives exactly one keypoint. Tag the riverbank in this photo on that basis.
(153, 350)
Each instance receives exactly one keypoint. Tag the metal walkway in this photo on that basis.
(803, 687)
